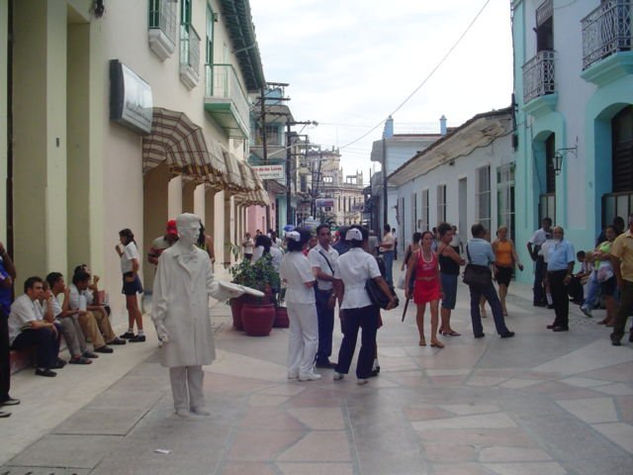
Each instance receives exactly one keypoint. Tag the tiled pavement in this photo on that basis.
(540, 403)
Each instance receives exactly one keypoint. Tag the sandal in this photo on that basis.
(422, 342)
(437, 344)
(451, 333)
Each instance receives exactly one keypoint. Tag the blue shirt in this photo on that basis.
(5, 294)
(480, 252)
(559, 255)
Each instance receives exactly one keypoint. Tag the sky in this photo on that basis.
(350, 63)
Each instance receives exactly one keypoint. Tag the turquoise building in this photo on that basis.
(573, 98)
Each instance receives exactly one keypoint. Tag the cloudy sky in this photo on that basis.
(350, 63)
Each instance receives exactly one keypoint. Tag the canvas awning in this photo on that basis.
(179, 141)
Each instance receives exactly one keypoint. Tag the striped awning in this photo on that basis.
(176, 139)
(233, 177)
(247, 176)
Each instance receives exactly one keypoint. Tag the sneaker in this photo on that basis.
(137, 339)
(584, 309)
(45, 372)
(90, 354)
(104, 349)
(362, 381)
(9, 401)
(4, 414)
(117, 341)
(338, 376)
(309, 377)
(80, 360)
(127, 335)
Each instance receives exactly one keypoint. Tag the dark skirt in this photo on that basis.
(132, 288)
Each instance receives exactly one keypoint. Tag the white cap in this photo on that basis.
(294, 235)
(353, 234)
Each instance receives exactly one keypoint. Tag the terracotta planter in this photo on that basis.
(258, 319)
(236, 312)
(281, 318)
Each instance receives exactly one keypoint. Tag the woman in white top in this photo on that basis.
(128, 253)
(351, 271)
(265, 246)
(296, 272)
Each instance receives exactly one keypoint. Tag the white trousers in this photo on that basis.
(304, 338)
(186, 387)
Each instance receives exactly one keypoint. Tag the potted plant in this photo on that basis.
(257, 313)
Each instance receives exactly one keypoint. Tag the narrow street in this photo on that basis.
(539, 403)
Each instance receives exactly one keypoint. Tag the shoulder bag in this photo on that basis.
(479, 276)
(376, 295)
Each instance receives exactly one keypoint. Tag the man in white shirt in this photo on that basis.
(323, 259)
(27, 328)
(540, 269)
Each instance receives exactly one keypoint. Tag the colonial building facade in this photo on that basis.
(574, 125)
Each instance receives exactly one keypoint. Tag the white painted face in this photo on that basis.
(188, 225)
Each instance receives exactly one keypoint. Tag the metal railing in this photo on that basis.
(190, 48)
(538, 76)
(163, 15)
(222, 81)
(606, 30)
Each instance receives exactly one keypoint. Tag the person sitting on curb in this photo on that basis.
(70, 327)
(28, 328)
(96, 326)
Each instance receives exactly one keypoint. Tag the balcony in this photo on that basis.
(226, 101)
(162, 23)
(606, 31)
(189, 56)
(538, 76)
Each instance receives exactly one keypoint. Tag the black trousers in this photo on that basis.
(326, 325)
(5, 365)
(355, 318)
(558, 288)
(539, 289)
(46, 344)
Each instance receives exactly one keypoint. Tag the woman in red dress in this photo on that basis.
(428, 287)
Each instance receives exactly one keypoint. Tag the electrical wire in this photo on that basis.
(425, 80)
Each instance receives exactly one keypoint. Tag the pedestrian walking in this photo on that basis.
(560, 266)
(506, 259)
(622, 252)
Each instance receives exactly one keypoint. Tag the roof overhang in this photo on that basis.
(479, 131)
(239, 23)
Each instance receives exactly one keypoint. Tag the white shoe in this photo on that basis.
(338, 376)
(310, 377)
(293, 376)
(184, 413)
(200, 411)
(362, 381)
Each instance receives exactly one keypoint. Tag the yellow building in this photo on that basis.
(122, 114)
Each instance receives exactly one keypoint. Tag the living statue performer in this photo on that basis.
(180, 311)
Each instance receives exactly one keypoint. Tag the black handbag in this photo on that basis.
(479, 276)
(376, 295)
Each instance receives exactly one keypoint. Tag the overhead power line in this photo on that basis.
(425, 80)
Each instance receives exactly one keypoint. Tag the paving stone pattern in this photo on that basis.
(540, 403)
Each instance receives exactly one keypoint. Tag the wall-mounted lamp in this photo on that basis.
(560, 154)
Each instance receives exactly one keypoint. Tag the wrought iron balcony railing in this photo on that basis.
(538, 76)
(222, 82)
(163, 21)
(606, 30)
(189, 55)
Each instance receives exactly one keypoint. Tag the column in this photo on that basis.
(188, 188)
(155, 217)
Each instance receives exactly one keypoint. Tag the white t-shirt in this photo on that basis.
(79, 300)
(129, 252)
(248, 246)
(387, 239)
(23, 310)
(354, 268)
(318, 261)
(277, 256)
(296, 271)
(539, 237)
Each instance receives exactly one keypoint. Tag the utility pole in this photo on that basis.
(264, 148)
(289, 156)
(384, 184)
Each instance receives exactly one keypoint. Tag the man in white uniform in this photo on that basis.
(180, 311)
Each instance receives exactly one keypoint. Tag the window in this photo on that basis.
(209, 42)
(189, 47)
(327, 179)
(303, 183)
(505, 197)
(441, 204)
(414, 211)
(545, 26)
(272, 135)
(163, 27)
(424, 226)
(482, 196)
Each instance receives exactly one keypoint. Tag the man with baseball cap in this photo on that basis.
(163, 242)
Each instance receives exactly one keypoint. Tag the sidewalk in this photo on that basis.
(541, 403)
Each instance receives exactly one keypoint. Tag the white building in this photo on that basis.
(465, 177)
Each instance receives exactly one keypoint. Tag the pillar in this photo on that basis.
(174, 191)
(155, 217)
(188, 188)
